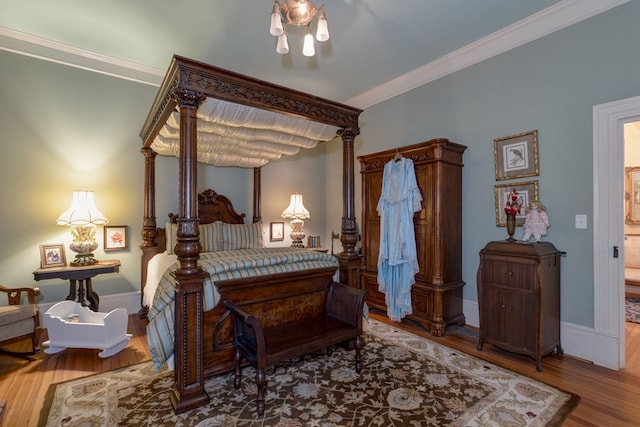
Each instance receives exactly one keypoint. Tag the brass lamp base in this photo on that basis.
(83, 259)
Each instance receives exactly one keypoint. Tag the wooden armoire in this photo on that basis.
(437, 293)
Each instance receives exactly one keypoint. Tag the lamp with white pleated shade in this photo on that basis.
(297, 212)
(83, 216)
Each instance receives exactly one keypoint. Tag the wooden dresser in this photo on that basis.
(519, 298)
(437, 293)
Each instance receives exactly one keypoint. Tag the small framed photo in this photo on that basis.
(52, 255)
(276, 232)
(516, 156)
(527, 192)
(116, 237)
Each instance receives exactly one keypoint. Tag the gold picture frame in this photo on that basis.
(516, 156)
(632, 195)
(116, 237)
(527, 192)
(52, 255)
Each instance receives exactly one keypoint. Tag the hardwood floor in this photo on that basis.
(24, 382)
(609, 398)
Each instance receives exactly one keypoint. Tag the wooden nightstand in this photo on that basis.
(80, 279)
(323, 250)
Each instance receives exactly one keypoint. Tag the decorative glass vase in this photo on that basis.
(511, 226)
(84, 243)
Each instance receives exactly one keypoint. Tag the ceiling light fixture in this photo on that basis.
(300, 13)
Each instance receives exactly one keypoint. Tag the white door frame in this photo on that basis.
(608, 226)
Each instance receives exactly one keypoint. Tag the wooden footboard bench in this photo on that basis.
(261, 346)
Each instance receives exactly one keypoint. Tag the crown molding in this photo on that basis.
(552, 19)
(49, 50)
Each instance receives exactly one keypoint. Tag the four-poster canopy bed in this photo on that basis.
(210, 115)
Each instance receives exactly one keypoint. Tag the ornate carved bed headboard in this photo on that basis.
(212, 207)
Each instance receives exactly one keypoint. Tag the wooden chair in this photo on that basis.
(19, 321)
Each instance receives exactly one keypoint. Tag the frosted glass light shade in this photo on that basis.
(296, 209)
(322, 33)
(308, 49)
(276, 22)
(83, 211)
(283, 44)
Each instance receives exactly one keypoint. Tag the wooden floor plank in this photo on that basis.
(608, 398)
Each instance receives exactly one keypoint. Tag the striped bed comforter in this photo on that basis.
(222, 265)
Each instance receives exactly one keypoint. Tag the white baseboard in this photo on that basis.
(590, 345)
(578, 341)
(470, 310)
(129, 301)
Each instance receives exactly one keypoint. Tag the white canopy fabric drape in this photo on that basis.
(237, 135)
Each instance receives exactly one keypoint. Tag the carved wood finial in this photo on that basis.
(188, 98)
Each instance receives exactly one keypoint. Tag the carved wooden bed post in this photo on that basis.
(349, 260)
(188, 391)
(257, 194)
(187, 84)
(149, 231)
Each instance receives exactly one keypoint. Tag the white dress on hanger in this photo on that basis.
(397, 259)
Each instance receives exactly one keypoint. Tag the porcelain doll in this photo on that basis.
(536, 222)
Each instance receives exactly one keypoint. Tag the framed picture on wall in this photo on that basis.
(276, 232)
(516, 156)
(527, 192)
(52, 255)
(115, 237)
(632, 195)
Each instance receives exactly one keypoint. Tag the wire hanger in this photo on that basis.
(398, 156)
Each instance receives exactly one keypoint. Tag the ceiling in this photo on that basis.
(377, 49)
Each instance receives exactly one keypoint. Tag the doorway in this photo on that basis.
(608, 224)
(631, 141)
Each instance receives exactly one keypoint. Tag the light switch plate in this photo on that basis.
(581, 221)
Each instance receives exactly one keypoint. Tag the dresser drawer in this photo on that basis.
(507, 273)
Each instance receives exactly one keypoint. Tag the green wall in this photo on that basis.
(63, 128)
(550, 85)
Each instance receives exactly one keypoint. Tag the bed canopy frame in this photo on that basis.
(187, 86)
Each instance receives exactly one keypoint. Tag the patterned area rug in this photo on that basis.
(406, 380)
(632, 310)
